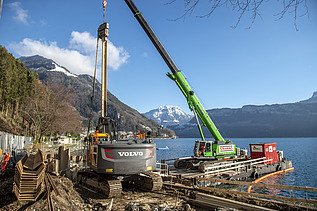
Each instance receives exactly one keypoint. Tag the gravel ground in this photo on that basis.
(78, 198)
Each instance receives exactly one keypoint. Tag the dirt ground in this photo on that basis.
(78, 198)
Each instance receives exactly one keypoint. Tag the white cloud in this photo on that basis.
(82, 41)
(19, 14)
(117, 56)
(79, 57)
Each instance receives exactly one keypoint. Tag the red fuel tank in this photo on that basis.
(267, 150)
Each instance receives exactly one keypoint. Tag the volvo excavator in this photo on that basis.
(111, 161)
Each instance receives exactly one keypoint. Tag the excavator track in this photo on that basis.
(110, 188)
(149, 181)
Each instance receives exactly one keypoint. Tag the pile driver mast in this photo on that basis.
(103, 33)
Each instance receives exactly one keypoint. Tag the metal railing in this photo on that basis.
(162, 167)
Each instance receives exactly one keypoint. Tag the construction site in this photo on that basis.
(104, 171)
(50, 182)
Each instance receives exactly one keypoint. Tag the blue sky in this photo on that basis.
(228, 67)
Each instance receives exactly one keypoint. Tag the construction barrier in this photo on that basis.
(10, 142)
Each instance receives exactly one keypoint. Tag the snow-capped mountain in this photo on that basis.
(39, 63)
(62, 69)
(168, 115)
(128, 119)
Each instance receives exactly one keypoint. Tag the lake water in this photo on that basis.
(301, 151)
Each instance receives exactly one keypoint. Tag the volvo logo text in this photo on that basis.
(130, 154)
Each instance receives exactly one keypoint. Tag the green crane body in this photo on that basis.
(193, 102)
(195, 105)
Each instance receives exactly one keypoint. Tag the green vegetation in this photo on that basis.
(16, 84)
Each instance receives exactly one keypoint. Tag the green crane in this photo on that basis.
(193, 102)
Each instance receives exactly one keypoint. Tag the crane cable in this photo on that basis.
(93, 87)
(104, 7)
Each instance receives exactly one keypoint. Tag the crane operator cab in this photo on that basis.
(218, 149)
(106, 132)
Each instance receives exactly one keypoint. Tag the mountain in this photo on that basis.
(128, 119)
(313, 99)
(39, 64)
(279, 120)
(168, 115)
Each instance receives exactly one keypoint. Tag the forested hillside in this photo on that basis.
(16, 84)
(30, 108)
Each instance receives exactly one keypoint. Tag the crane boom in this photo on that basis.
(178, 77)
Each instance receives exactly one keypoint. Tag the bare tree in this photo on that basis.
(48, 110)
(67, 118)
(251, 8)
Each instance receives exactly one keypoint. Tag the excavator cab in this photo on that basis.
(106, 131)
(108, 128)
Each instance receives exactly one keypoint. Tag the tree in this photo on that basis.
(297, 8)
(15, 84)
(33, 107)
(67, 118)
(48, 111)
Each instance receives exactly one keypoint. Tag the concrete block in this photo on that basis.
(64, 157)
